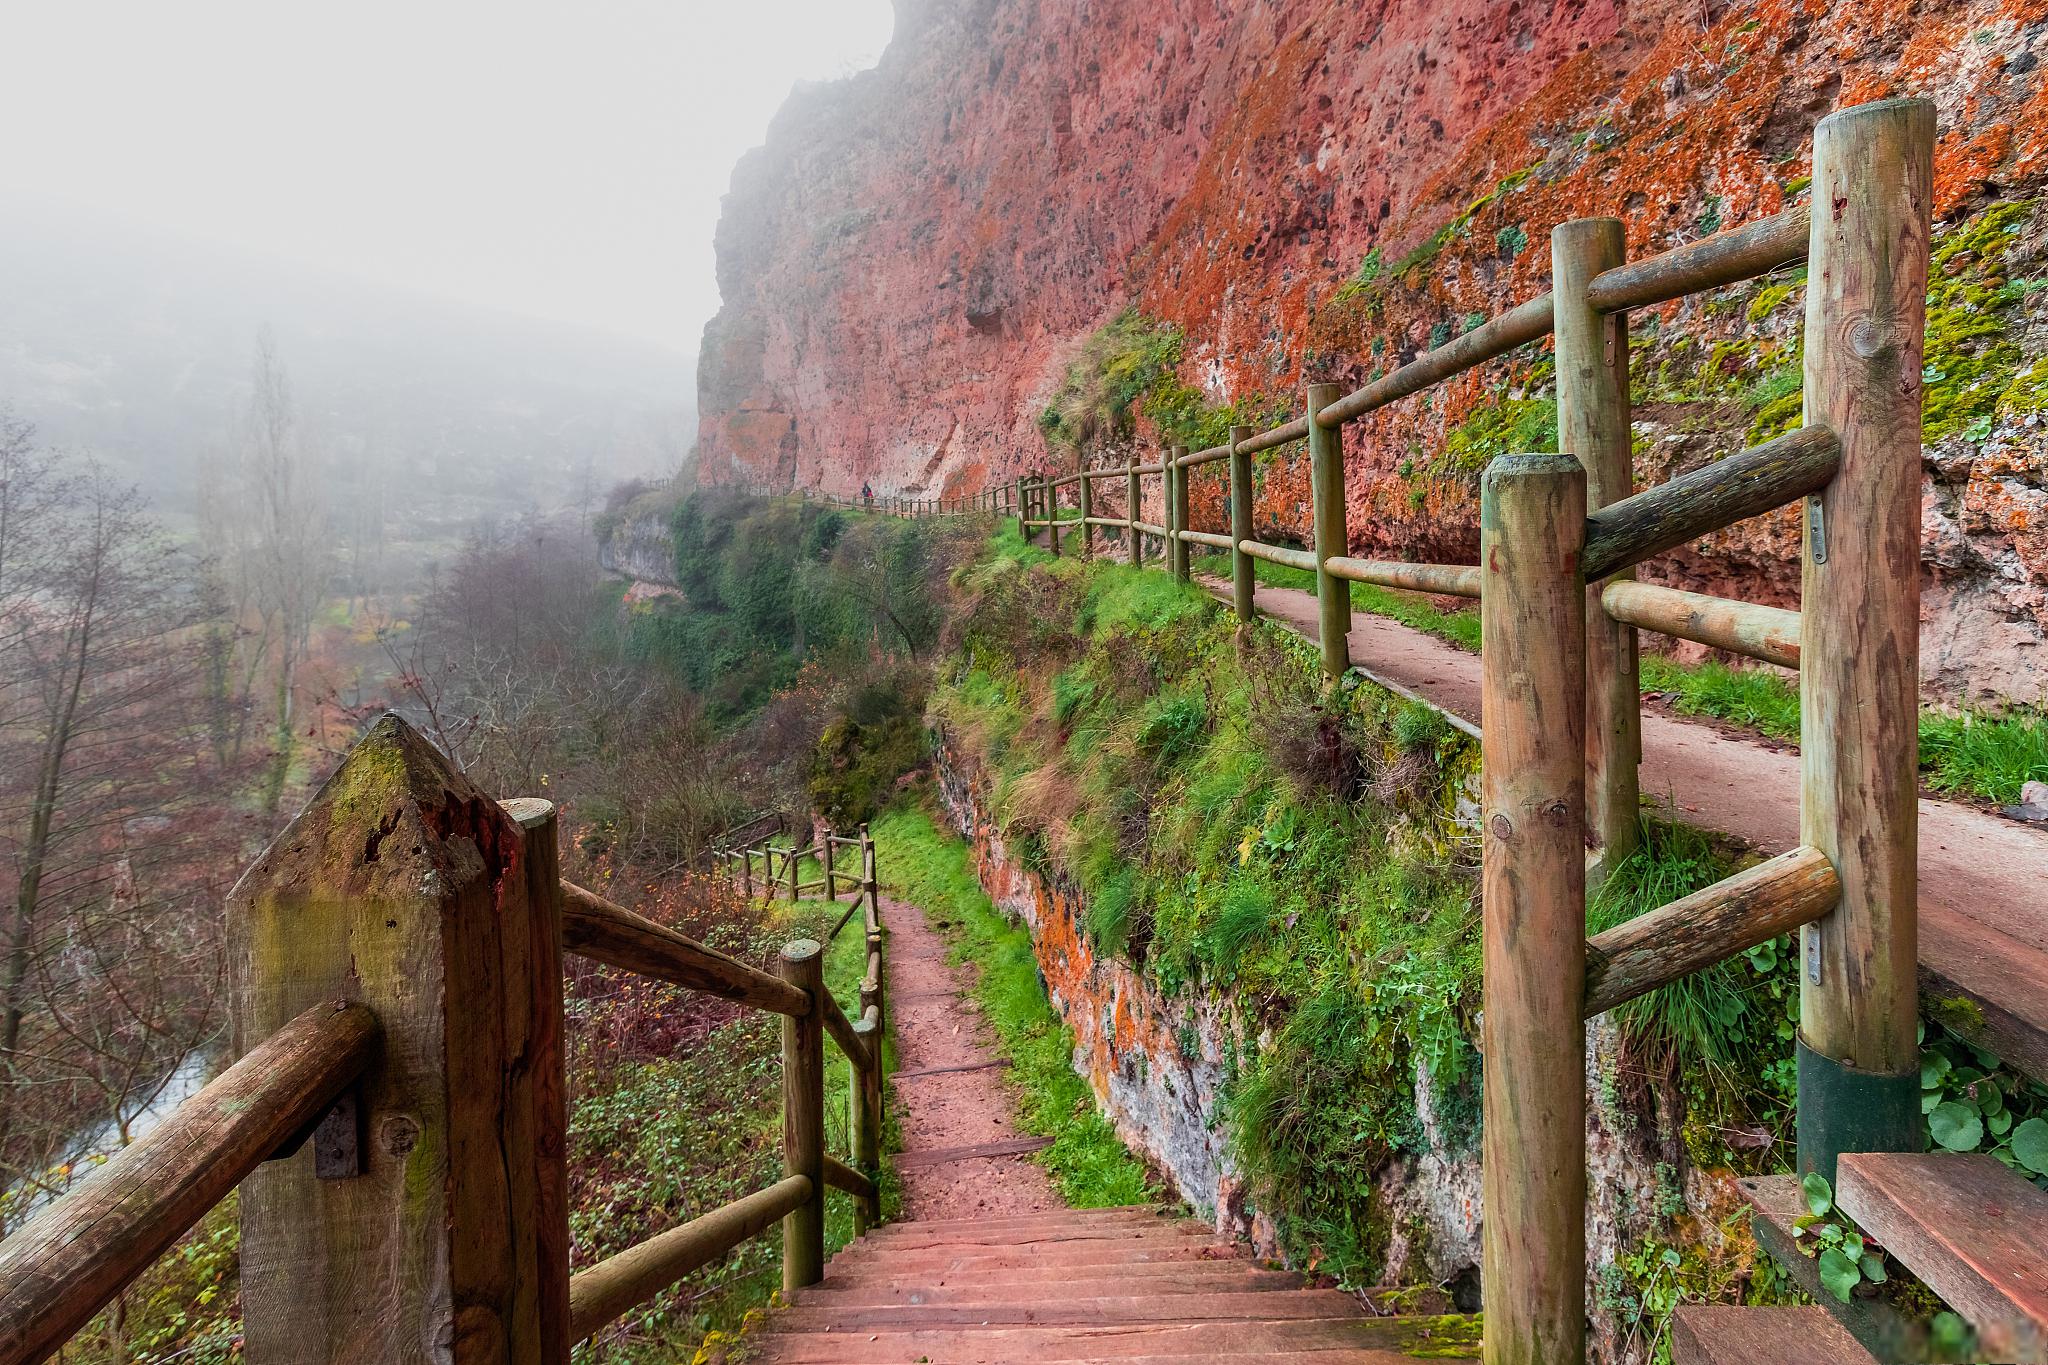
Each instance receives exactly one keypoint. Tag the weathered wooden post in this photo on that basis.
(864, 1121)
(802, 965)
(1087, 499)
(404, 888)
(1326, 489)
(1593, 425)
(1532, 796)
(792, 864)
(747, 873)
(1167, 505)
(828, 865)
(1859, 654)
(1052, 513)
(1177, 480)
(1134, 501)
(1242, 583)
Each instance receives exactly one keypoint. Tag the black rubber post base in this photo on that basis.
(1844, 1109)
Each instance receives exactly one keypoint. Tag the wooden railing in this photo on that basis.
(1559, 612)
(397, 998)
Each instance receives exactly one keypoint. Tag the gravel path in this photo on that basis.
(949, 1090)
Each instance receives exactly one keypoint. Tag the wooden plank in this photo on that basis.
(1709, 926)
(1532, 799)
(1720, 1335)
(996, 1065)
(73, 1258)
(1119, 1341)
(1034, 1309)
(545, 1129)
(1973, 1231)
(595, 928)
(1776, 1203)
(937, 1156)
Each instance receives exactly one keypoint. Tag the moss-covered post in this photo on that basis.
(1242, 583)
(1134, 502)
(1087, 500)
(1326, 489)
(802, 964)
(404, 888)
(1593, 425)
(1859, 653)
(1532, 612)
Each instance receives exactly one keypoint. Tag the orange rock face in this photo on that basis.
(1316, 190)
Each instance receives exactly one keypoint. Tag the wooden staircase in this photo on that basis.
(1973, 1231)
(1128, 1285)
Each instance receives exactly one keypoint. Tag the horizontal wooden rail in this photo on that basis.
(1709, 926)
(1120, 523)
(1149, 528)
(595, 928)
(1767, 633)
(1297, 430)
(1723, 259)
(1063, 482)
(1709, 498)
(620, 1283)
(85, 1248)
(1279, 554)
(1519, 325)
(1202, 457)
(805, 888)
(1449, 580)
(841, 1176)
(837, 1024)
(1214, 542)
(1143, 469)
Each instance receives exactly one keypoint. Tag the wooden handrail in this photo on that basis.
(1710, 263)
(595, 928)
(841, 1176)
(1449, 580)
(1521, 324)
(1213, 541)
(1760, 632)
(841, 1029)
(85, 1248)
(621, 1283)
(1280, 554)
(1709, 498)
(1709, 926)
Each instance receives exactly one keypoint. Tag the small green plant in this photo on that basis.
(1988, 755)
(1846, 1258)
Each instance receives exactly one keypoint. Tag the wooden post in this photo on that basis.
(792, 864)
(828, 867)
(1326, 487)
(404, 888)
(1087, 498)
(1859, 652)
(1052, 513)
(1177, 481)
(747, 874)
(545, 1063)
(1593, 425)
(1134, 502)
(802, 964)
(1242, 582)
(1532, 796)
(1171, 546)
(864, 1122)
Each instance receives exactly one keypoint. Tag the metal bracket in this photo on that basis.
(337, 1136)
(1816, 530)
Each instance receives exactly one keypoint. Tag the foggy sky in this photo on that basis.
(560, 159)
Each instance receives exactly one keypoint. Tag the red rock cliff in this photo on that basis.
(1309, 189)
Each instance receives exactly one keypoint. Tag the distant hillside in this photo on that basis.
(136, 345)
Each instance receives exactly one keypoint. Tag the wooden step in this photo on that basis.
(1974, 1232)
(1042, 1310)
(1137, 1276)
(1762, 1336)
(1117, 1213)
(1062, 1254)
(996, 1229)
(1369, 1341)
(1775, 1202)
(999, 1288)
(913, 1236)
